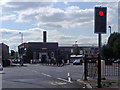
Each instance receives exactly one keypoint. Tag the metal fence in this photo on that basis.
(92, 69)
(108, 70)
(112, 70)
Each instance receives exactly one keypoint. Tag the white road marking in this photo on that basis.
(64, 80)
(46, 75)
(35, 71)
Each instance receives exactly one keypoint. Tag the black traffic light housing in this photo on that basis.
(12, 52)
(100, 19)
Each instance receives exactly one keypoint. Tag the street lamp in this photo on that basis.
(110, 29)
(21, 36)
(76, 47)
(75, 42)
(21, 56)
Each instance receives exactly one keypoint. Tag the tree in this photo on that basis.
(29, 52)
(107, 52)
(110, 50)
(113, 37)
(116, 47)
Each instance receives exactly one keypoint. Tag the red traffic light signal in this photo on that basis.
(12, 53)
(101, 13)
(100, 19)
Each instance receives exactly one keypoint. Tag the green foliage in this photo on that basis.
(116, 47)
(113, 37)
(112, 49)
(107, 52)
(29, 52)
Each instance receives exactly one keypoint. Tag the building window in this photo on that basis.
(71, 50)
(52, 54)
(81, 52)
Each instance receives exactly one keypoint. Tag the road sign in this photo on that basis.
(100, 19)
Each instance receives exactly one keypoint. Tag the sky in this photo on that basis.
(65, 22)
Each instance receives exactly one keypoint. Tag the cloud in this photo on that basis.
(13, 38)
(8, 17)
(58, 1)
(43, 14)
(19, 6)
(57, 18)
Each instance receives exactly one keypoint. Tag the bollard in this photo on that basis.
(31, 61)
(69, 79)
(103, 70)
(68, 61)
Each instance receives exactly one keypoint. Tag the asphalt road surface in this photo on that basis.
(42, 76)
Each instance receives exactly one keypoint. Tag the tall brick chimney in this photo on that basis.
(44, 36)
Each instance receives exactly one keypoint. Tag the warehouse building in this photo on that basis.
(48, 51)
(41, 51)
(4, 54)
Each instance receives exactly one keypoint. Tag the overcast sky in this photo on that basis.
(65, 22)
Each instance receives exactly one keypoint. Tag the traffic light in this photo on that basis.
(100, 19)
(12, 52)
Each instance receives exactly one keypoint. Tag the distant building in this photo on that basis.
(74, 52)
(42, 51)
(4, 54)
(45, 51)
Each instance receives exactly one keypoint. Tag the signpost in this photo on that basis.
(100, 27)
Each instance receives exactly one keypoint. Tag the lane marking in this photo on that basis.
(34, 71)
(58, 83)
(64, 80)
(46, 75)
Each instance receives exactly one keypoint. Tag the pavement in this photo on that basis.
(42, 76)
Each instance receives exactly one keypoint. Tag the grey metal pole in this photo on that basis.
(99, 62)
(75, 47)
(110, 29)
(85, 67)
(21, 37)
(21, 56)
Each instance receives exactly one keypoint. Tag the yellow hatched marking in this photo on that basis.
(58, 83)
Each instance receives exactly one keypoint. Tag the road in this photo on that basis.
(42, 76)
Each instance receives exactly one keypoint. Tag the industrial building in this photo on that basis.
(42, 51)
(4, 54)
(48, 51)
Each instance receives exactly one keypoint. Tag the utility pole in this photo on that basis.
(110, 29)
(21, 51)
(21, 37)
(75, 47)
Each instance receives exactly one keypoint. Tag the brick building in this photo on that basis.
(4, 54)
(45, 51)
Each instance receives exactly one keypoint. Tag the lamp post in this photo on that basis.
(21, 36)
(76, 47)
(21, 51)
(110, 29)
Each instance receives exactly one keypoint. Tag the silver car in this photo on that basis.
(1, 68)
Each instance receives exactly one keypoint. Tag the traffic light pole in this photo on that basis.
(99, 62)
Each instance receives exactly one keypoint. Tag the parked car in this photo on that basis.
(1, 67)
(15, 61)
(77, 62)
(117, 61)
